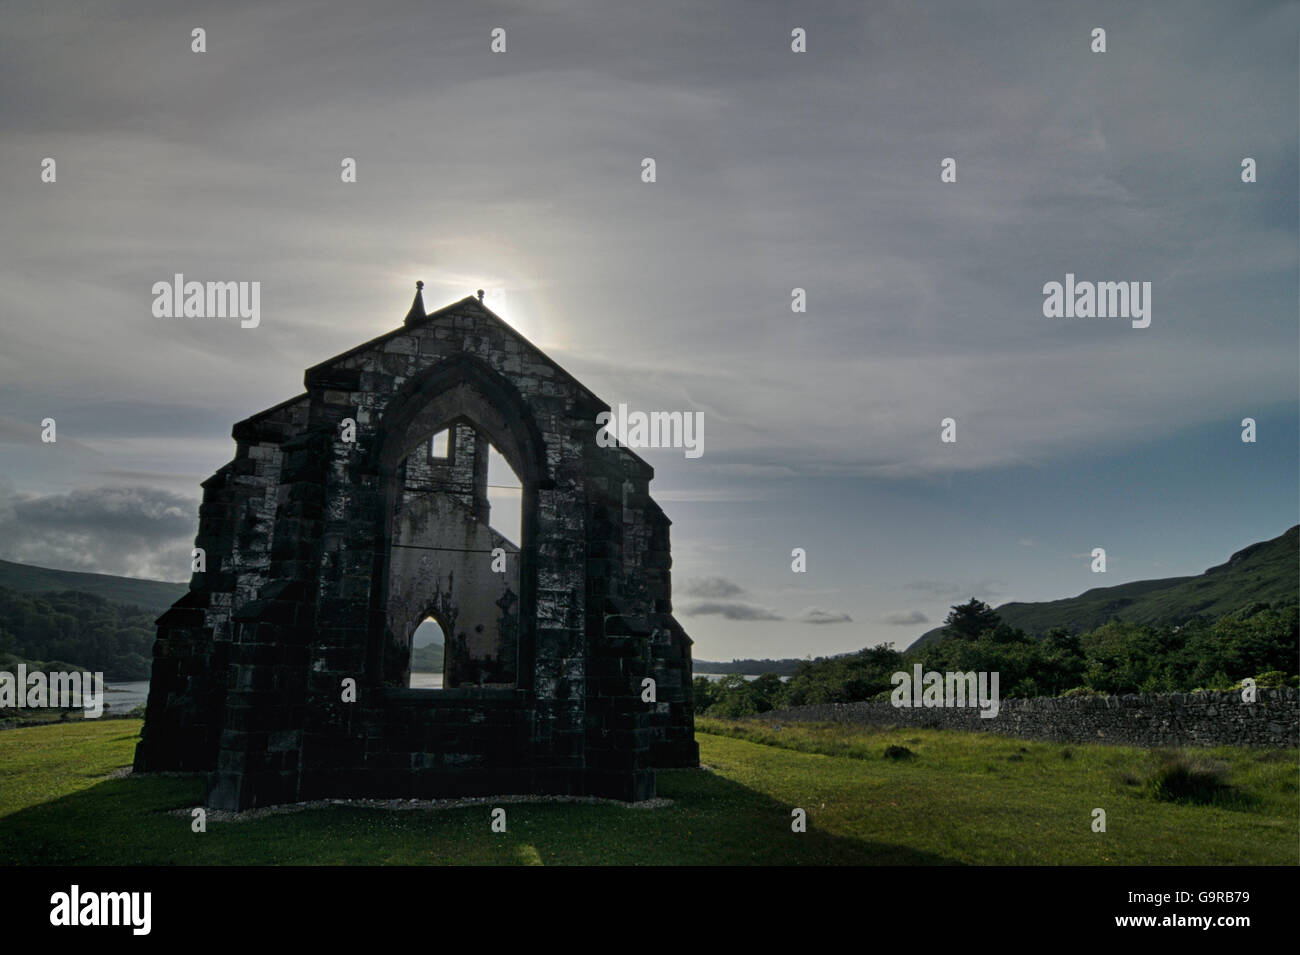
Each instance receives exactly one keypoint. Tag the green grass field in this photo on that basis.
(962, 799)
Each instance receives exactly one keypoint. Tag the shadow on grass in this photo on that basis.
(712, 821)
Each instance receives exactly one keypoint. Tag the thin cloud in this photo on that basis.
(904, 618)
(947, 589)
(935, 588)
(731, 610)
(711, 588)
(818, 615)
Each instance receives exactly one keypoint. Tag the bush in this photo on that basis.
(1178, 778)
(734, 697)
(1024, 689)
(704, 694)
(898, 752)
(1081, 691)
(1271, 678)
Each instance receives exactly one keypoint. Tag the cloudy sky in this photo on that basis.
(520, 172)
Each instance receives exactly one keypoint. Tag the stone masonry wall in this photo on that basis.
(1143, 719)
(250, 666)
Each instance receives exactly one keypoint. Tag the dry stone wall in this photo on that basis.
(1142, 719)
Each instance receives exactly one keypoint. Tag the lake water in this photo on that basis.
(124, 697)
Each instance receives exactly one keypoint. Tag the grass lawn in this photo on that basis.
(963, 798)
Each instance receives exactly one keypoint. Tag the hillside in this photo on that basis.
(68, 629)
(155, 595)
(1261, 573)
(427, 659)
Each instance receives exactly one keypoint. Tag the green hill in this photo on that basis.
(150, 594)
(427, 659)
(1261, 573)
(66, 630)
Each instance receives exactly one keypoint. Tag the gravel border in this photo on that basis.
(401, 805)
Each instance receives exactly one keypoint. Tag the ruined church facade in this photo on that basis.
(360, 508)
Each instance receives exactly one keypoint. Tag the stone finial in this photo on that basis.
(480, 295)
(416, 314)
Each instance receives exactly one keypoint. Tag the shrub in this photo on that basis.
(1081, 691)
(898, 752)
(1179, 778)
(1271, 678)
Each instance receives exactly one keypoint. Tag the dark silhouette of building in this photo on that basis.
(342, 523)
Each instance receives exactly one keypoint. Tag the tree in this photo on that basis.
(704, 694)
(734, 698)
(967, 621)
(768, 691)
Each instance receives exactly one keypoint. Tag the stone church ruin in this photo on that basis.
(360, 509)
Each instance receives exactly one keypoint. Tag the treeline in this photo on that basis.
(75, 631)
(784, 667)
(1259, 642)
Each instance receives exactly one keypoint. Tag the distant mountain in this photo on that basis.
(427, 659)
(1266, 572)
(150, 594)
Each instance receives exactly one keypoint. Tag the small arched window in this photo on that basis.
(428, 655)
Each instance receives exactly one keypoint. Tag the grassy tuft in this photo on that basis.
(1178, 777)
